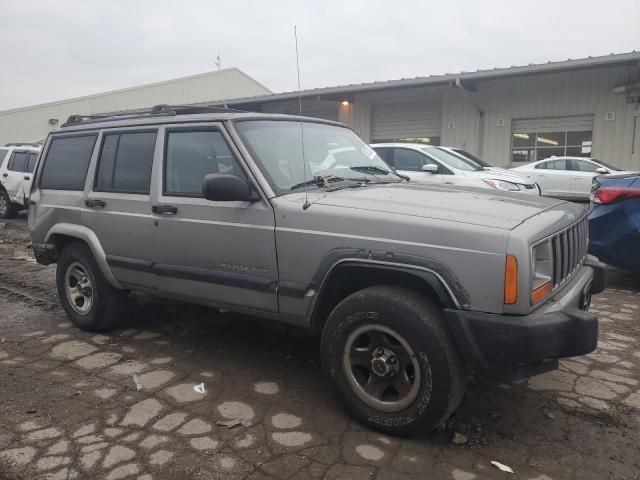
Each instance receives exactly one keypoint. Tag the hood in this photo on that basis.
(500, 174)
(477, 206)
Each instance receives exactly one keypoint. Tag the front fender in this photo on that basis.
(90, 238)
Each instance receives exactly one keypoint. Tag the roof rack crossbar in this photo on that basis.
(157, 110)
(23, 144)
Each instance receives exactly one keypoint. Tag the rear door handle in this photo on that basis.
(164, 209)
(27, 178)
(5, 174)
(578, 178)
(94, 203)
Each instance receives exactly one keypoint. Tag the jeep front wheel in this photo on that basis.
(391, 360)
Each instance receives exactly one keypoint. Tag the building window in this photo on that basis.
(533, 146)
(425, 140)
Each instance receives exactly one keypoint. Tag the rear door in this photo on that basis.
(118, 206)
(14, 176)
(554, 178)
(24, 189)
(211, 251)
(582, 173)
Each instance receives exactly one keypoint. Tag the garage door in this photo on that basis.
(537, 138)
(554, 124)
(406, 120)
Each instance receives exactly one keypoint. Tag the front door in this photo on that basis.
(582, 173)
(553, 176)
(211, 251)
(410, 162)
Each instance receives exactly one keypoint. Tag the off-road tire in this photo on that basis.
(421, 324)
(108, 303)
(8, 209)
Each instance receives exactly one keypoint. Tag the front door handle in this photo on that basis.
(5, 174)
(27, 178)
(94, 203)
(164, 209)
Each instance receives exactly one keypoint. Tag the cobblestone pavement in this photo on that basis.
(70, 407)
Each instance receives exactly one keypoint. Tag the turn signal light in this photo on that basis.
(539, 293)
(511, 280)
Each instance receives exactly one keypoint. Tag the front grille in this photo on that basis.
(569, 249)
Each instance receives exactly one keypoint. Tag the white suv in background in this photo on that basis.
(17, 164)
(430, 164)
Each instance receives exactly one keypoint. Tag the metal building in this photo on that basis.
(33, 123)
(584, 107)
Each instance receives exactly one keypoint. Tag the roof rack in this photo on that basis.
(23, 144)
(157, 110)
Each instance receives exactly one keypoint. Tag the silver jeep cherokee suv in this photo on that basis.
(413, 287)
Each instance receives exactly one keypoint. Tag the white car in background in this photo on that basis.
(566, 177)
(430, 164)
(17, 164)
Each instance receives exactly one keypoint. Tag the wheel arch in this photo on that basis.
(351, 275)
(62, 234)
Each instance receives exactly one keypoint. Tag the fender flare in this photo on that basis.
(437, 275)
(91, 239)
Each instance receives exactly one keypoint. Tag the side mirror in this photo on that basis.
(225, 187)
(602, 170)
(430, 168)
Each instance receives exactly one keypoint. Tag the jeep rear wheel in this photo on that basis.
(7, 207)
(86, 296)
(391, 361)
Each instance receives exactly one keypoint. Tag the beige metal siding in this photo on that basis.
(585, 92)
(326, 109)
(31, 123)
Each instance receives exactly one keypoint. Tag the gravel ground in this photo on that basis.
(70, 407)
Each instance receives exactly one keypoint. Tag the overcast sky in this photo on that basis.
(51, 50)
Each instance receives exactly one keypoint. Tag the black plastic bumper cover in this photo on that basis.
(45, 253)
(507, 348)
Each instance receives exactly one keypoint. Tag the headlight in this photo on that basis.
(502, 184)
(542, 271)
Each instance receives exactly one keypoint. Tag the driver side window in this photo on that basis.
(192, 154)
(409, 160)
(582, 166)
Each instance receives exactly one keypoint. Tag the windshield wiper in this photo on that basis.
(330, 182)
(316, 182)
(373, 170)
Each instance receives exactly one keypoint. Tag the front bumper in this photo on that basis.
(508, 347)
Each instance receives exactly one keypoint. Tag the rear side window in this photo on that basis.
(190, 155)
(125, 162)
(18, 162)
(67, 162)
(31, 162)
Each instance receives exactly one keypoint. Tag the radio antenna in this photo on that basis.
(306, 203)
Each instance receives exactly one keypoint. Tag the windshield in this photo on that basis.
(472, 157)
(452, 160)
(329, 151)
